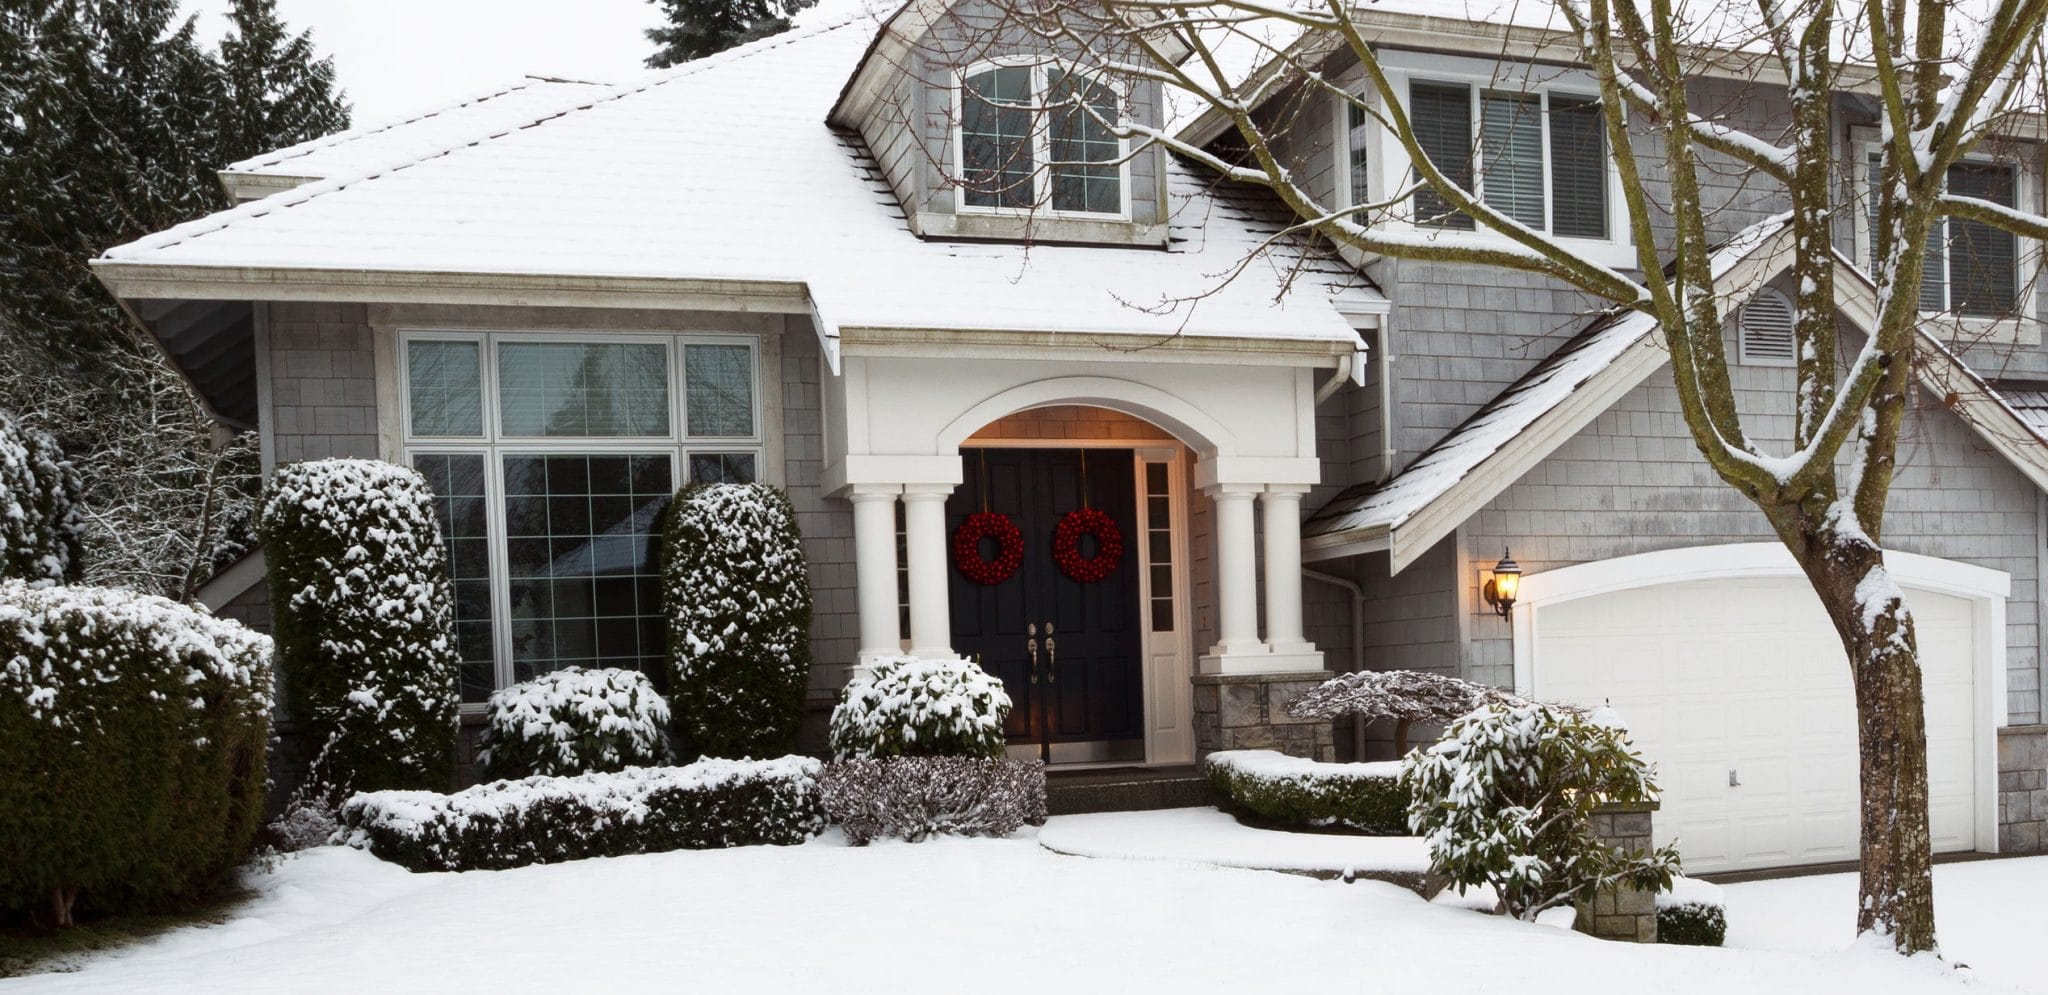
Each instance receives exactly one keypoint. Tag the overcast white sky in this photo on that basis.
(396, 56)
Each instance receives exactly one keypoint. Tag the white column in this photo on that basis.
(874, 570)
(1280, 507)
(924, 524)
(1236, 576)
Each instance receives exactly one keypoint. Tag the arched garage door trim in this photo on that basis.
(1984, 588)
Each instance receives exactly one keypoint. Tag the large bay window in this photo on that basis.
(551, 458)
(1039, 135)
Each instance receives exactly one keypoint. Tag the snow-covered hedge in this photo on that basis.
(132, 737)
(575, 721)
(1366, 797)
(1692, 913)
(42, 530)
(544, 820)
(906, 706)
(911, 798)
(364, 620)
(738, 597)
(1507, 797)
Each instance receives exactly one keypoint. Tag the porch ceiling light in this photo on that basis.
(1506, 582)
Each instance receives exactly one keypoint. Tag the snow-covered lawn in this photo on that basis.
(947, 916)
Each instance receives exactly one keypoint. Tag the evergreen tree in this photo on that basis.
(279, 92)
(698, 28)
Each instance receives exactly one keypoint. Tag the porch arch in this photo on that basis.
(1188, 423)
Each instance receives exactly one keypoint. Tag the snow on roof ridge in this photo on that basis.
(221, 220)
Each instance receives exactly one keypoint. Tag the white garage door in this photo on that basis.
(1739, 691)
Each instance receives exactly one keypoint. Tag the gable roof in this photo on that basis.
(1528, 421)
(651, 184)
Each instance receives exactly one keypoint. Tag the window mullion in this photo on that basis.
(1543, 153)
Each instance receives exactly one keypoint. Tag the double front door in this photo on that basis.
(1068, 651)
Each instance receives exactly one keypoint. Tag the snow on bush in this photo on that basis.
(738, 597)
(1507, 797)
(906, 706)
(912, 798)
(42, 530)
(364, 620)
(1368, 798)
(575, 721)
(542, 820)
(306, 823)
(133, 730)
(1406, 696)
(1692, 913)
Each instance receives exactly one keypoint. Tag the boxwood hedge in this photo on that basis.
(1366, 798)
(1692, 913)
(134, 731)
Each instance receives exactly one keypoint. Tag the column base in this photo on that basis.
(1249, 712)
(1262, 660)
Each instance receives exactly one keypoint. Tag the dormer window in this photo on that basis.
(1032, 136)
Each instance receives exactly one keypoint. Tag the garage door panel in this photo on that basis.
(1747, 675)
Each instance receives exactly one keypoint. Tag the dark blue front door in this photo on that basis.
(1082, 697)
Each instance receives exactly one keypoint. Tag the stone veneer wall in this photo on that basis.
(1249, 712)
(2023, 789)
(1622, 913)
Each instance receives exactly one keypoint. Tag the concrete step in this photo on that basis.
(1125, 789)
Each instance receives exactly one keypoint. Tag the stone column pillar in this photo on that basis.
(1622, 912)
(924, 524)
(874, 570)
(1281, 508)
(1236, 566)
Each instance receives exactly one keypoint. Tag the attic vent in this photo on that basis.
(1766, 327)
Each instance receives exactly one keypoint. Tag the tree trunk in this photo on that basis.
(1896, 897)
(1400, 738)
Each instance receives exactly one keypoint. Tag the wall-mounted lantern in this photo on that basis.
(1506, 582)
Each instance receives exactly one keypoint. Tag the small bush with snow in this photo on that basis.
(1692, 913)
(305, 824)
(42, 530)
(1507, 797)
(575, 721)
(738, 597)
(133, 732)
(1406, 696)
(364, 620)
(1368, 798)
(908, 706)
(542, 820)
(912, 798)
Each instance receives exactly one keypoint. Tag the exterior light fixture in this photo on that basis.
(1506, 582)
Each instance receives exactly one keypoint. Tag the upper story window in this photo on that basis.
(1039, 135)
(1972, 269)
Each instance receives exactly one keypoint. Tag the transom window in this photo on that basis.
(1972, 268)
(1039, 135)
(551, 459)
(1537, 156)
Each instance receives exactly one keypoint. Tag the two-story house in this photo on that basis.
(881, 261)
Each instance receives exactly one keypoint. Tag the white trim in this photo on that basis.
(1185, 420)
(1985, 588)
(1041, 142)
(238, 579)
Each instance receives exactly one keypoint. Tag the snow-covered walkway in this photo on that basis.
(946, 916)
(1208, 836)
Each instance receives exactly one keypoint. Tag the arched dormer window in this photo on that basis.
(1038, 136)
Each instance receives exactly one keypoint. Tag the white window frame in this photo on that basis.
(495, 446)
(1403, 68)
(2022, 327)
(1041, 143)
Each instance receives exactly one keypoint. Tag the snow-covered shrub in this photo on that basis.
(1368, 798)
(543, 820)
(575, 721)
(132, 736)
(738, 597)
(1507, 797)
(1692, 913)
(911, 798)
(906, 706)
(306, 823)
(1406, 696)
(364, 620)
(42, 530)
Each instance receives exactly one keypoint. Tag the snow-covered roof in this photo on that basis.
(2029, 403)
(723, 169)
(465, 121)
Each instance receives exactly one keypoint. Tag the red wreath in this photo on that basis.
(967, 547)
(1066, 545)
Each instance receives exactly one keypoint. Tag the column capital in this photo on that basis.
(858, 493)
(1287, 490)
(927, 492)
(1219, 491)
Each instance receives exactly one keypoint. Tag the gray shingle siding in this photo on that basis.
(322, 397)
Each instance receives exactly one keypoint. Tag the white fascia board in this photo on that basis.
(135, 281)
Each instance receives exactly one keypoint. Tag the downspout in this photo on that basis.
(1345, 364)
(1357, 645)
(1386, 359)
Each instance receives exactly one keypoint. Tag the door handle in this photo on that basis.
(1031, 647)
(1052, 674)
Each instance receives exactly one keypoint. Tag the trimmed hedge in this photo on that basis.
(364, 620)
(906, 706)
(574, 721)
(42, 531)
(911, 798)
(133, 730)
(543, 820)
(738, 597)
(1367, 798)
(1692, 914)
